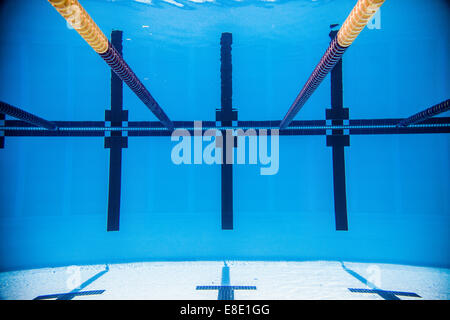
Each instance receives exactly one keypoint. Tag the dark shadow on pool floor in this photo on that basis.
(77, 291)
(386, 295)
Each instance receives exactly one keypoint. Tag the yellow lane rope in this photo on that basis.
(80, 20)
(363, 11)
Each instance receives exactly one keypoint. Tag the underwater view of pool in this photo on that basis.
(224, 150)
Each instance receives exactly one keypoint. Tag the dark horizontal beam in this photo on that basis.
(154, 128)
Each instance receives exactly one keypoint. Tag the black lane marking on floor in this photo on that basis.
(225, 290)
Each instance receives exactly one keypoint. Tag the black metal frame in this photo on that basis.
(226, 115)
(337, 141)
(116, 141)
(116, 130)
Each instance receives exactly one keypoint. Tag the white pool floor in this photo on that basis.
(241, 280)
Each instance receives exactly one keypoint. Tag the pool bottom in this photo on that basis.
(229, 280)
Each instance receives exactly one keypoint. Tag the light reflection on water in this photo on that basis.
(198, 22)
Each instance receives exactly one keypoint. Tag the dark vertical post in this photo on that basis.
(115, 142)
(226, 115)
(340, 196)
(115, 181)
(226, 74)
(337, 114)
(227, 193)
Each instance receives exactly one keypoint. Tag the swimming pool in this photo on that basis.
(339, 185)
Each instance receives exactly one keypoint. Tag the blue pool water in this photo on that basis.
(54, 190)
